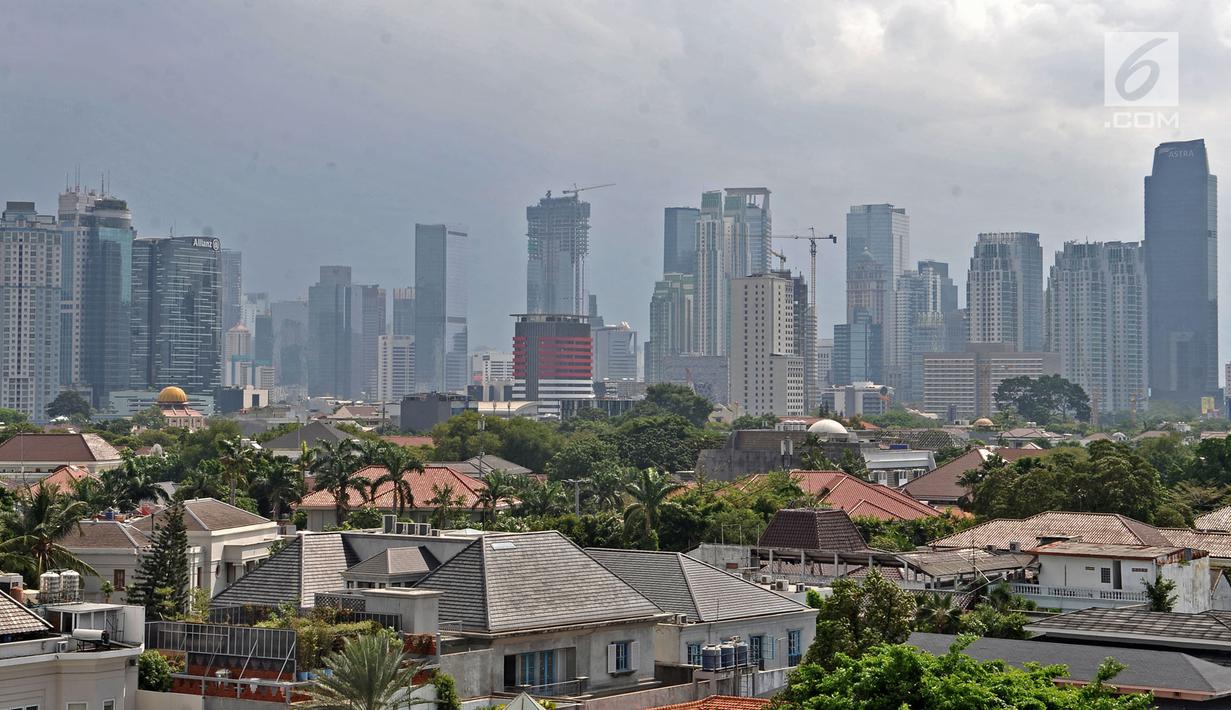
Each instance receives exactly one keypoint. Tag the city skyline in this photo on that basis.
(1003, 160)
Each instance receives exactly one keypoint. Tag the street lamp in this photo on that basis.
(576, 493)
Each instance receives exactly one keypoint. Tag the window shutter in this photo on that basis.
(634, 655)
(769, 648)
(611, 658)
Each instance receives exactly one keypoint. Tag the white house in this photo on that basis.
(1077, 575)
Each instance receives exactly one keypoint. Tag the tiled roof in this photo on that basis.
(1106, 528)
(933, 439)
(859, 497)
(397, 561)
(62, 479)
(1129, 625)
(943, 563)
(1216, 520)
(1218, 544)
(719, 702)
(1123, 552)
(309, 564)
(104, 535)
(812, 529)
(525, 581)
(60, 448)
(312, 434)
(465, 487)
(941, 483)
(16, 619)
(679, 584)
(405, 440)
(495, 463)
(201, 514)
(1145, 669)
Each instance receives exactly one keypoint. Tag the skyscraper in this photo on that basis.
(925, 304)
(175, 326)
(748, 207)
(395, 367)
(31, 286)
(74, 204)
(345, 322)
(374, 322)
(804, 338)
(553, 360)
(1096, 321)
(403, 311)
(615, 353)
(107, 295)
(680, 240)
(1004, 291)
(858, 349)
(237, 358)
(767, 376)
(734, 229)
(441, 345)
(558, 234)
(671, 329)
(1181, 258)
(290, 324)
(879, 234)
(232, 290)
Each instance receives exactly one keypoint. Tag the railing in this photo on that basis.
(566, 688)
(1111, 595)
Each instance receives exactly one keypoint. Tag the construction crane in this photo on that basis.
(812, 239)
(781, 259)
(576, 189)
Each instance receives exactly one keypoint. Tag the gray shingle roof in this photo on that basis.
(104, 535)
(812, 529)
(1145, 669)
(309, 564)
(1139, 625)
(312, 434)
(525, 581)
(679, 584)
(397, 561)
(16, 619)
(202, 514)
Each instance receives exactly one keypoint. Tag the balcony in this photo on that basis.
(1077, 597)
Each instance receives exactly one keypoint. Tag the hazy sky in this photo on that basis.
(318, 133)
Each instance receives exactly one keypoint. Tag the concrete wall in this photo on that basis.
(672, 640)
(150, 700)
(471, 671)
(1192, 585)
(52, 680)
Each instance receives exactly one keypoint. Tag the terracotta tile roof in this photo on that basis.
(859, 497)
(941, 483)
(1106, 528)
(812, 529)
(1216, 520)
(719, 702)
(105, 535)
(465, 487)
(62, 479)
(207, 514)
(403, 440)
(60, 448)
(16, 619)
(1217, 543)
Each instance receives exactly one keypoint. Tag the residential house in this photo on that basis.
(31, 456)
(64, 478)
(1218, 520)
(366, 416)
(311, 435)
(1076, 575)
(113, 549)
(488, 463)
(897, 465)
(232, 541)
(425, 487)
(711, 606)
(942, 485)
(394, 567)
(858, 497)
(1028, 436)
(43, 667)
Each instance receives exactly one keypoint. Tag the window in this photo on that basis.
(755, 644)
(76, 706)
(1105, 575)
(108, 705)
(794, 639)
(118, 579)
(621, 656)
(694, 654)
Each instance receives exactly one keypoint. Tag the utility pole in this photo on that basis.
(576, 493)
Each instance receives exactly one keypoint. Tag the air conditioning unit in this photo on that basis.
(766, 579)
(782, 585)
(423, 529)
(61, 646)
(1015, 547)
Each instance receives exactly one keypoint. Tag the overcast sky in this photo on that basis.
(318, 133)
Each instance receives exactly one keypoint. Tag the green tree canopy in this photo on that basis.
(162, 579)
(681, 401)
(1043, 399)
(855, 617)
(71, 404)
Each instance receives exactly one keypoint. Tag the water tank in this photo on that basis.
(48, 587)
(741, 653)
(109, 514)
(711, 658)
(727, 655)
(70, 586)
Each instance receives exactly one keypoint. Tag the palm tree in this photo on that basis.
(237, 458)
(89, 490)
(498, 486)
(335, 468)
(133, 482)
(399, 461)
(445, 499)
(542, 497)
(369, 673)
(279, 483)
(204, 481)
(33, 531)
(649, 490)
(937, 614)
(370, 452)
(606, 486)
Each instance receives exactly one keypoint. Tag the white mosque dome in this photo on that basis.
(827, 427)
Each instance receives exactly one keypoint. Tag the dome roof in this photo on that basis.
(827, 426)
(984, 422)
(172, 395)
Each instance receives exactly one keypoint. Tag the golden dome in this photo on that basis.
(984, 423)
(172, 395)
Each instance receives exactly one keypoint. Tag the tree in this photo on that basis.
(459, 438)
(1043, 399)
(812, 454)
(363, 518)
(857, 617)
(133, 483)
(153, 672)
(369, 673)
(666, 442)
(1161, 593)
(399, 461)
(752, 421)
(69, 404)
(149, 418)
(1173, 459)
(529, 442)
(898, 676)
(335, 472)
(498, 487)
(649, 491)
(579, 457)
(33, 531)
(445, 499)
(681, 401)
(9, 417)
(237, 462)
(542, 498)
(162, 579)
(204, 481)
(446, 691)
(277, 485)
(938, 614)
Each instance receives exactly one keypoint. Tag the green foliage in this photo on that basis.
(649, 491)
(855, 617)
(580, 456)
(69, 404)
(8, 417)
(906, 535)
(892, 677)
(528, 442)
(753, 421)
(370, 672)
(899, 418)
(153, 672)
(666, 442)
(1161, 593)
(161, 584)
(679, 400)
(1043, 399)
(446, 691)
(459, 438)
(31, 533)
(149, 418)
(364, 518)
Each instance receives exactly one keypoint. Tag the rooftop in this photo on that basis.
(396, 561)
(58, 448)
(812, 529)
(1098, 528)
(421, 485)
(859, 497)
(1216, 520)
(1090, 549)
(206, 514)
(941, 484)
(1210, 629)
(104, 535)
(309, 564)
(312, 434)
(17, 620)
(719, 702)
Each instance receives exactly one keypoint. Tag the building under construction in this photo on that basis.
(558, 233)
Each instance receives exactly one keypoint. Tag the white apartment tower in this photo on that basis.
(395, 367)
(1004, 291)
(767, 377)
(30, 293)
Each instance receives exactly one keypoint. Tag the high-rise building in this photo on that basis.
(734, 229)
(232, 290)
(553, 360)
(1096, 321)
(290, 347)
(175, 326)
(251, 306)
(345, 322)
(1004, 291)
(748, 207)
(491, 368)
(671, 327)
(858, 351)
(74, 204)
(263, 339)
(31, 288)
(374, 324)
(804, 338)
(767, 375)
(237, 358)
(962, 385)
(1181, 257)
(107, 295)
(403, 311)
(924, 304)
(395, 367)
(824, 363)
(680, 240)
(441, 345)
(877, 253)
(615, 353)
(558, 233)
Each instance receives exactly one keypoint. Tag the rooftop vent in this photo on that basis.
(503, 546)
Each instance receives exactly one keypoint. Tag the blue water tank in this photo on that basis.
(728, 655)
(741, 653)
(711, 658)
(108, 514)
(899, 447)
